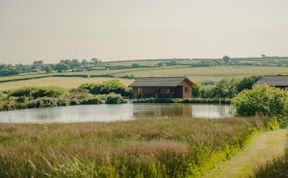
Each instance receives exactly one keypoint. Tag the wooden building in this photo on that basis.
(162, 87)
(278, 81)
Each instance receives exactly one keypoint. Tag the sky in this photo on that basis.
(51, 30)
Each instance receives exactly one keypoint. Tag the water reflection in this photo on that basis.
(107, 113)
(172, 110)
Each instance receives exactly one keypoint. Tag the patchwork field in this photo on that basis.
(210, 73)
(196, 74)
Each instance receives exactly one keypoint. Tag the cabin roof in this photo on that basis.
(159, 81)
(274, 80)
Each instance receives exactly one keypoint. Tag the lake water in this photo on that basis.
(107, 113)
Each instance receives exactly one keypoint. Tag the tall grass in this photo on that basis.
(277, 168)
(164, 147)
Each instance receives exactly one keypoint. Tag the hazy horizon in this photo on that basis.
(128, 29)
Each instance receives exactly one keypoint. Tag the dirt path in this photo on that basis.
(263, 149)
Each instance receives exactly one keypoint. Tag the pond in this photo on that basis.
(108, 113)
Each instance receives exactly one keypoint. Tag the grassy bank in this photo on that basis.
(109, 92)
(277, 168)
(164, 147)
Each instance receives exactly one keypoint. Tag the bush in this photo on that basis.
(114, 99)
(112, 86)
(94, 100)
(225, 88)
(47, 92)
(264, 100)
(63, 102)
(37, 92)
(42, 102)
(25, 91)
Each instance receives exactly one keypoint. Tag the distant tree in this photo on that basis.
(60, 67)
(75, 63)
(171, 63)
(47, 69)
(94, 61)
(247, 83)
(38, 65)
(226, 59)
(6, 70)
(263, 56)
(84, 62)
(135, 65)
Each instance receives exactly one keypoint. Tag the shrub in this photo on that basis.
(63, 102)
(114, 99)
(112, 86)
(25, 91)
(42, 102)
(94, 100)
(265, 100)
(47, 92)
(37, 92)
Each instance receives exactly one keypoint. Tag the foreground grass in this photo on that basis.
(167, 147)
(264, 148)
(276, 168)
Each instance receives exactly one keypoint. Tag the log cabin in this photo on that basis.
(162, 87)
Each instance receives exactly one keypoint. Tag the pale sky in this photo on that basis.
(52, 30)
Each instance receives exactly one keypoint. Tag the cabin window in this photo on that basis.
(186, 89)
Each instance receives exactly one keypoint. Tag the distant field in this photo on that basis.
(66, 82)
(210, 73)
(197, 74)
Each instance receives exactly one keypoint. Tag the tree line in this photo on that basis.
(39, 65)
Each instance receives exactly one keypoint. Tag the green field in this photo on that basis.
(65, 82)
(196, 74)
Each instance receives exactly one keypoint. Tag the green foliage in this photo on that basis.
(226, 59)
(92, 100)
(37, 92)
(226, 88)
(112, 86)
(135, 65)
(25, 91)
(47, 92)
(262, 99)
(61, 67)
(247, 83)
(114, 99)
(42, 102)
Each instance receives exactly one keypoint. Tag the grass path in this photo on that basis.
(263, 149)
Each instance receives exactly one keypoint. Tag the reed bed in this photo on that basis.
(163, 147)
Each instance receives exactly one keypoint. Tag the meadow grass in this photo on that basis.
(71, 82)
(277, 168)
(163, 147)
